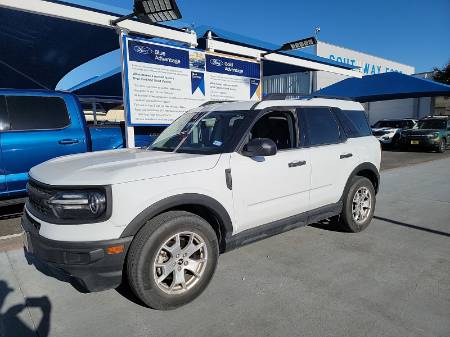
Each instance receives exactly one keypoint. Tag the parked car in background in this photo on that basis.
(220, 176)
(38, 125)
(431, 133)
(388, 131)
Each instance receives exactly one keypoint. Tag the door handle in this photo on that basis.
(68, 141)
(297, 163)
(346, 155)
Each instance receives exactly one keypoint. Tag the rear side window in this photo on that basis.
(354, 123)
(321, 126)
(37, 113)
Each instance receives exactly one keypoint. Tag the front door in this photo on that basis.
(266, 189)
(39, 129)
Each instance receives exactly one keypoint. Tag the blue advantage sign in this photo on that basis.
(162, 82)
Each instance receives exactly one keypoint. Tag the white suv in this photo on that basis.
(221, 176)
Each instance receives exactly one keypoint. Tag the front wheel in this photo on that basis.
(172, 259)
(359, 205)
(442, 146)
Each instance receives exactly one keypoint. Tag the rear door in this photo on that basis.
(331, 155)
(40, 128)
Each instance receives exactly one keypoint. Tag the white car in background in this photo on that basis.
(388, 131)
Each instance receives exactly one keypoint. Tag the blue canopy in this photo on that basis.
(37, 51)
(386, 86)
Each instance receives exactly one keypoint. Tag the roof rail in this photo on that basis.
(215, 102)
(283, 96)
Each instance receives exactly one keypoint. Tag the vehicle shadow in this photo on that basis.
(10, 322)
(125, 290)
(330, 224)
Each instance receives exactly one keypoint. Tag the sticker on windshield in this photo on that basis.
(217, 143)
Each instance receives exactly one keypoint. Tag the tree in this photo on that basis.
(442, 75)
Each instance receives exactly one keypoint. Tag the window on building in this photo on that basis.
(37, 113)
(354, 123)
(322, 126)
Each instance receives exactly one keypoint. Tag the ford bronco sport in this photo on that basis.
(221, 176)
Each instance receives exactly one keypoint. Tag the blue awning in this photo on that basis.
(385, 86)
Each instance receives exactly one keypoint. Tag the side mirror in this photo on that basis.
(260, 147)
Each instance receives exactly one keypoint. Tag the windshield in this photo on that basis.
(432, 124)
(392, 124)
(200, 132)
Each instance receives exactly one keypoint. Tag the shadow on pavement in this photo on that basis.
(429, 230)
(10, 322)
(331, 224)
(11, 211)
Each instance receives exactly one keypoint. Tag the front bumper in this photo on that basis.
(420, 141)
(385, 140)
(87, 265)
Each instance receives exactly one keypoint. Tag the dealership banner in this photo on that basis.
(162, 82)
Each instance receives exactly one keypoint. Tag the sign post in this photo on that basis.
(129, 130)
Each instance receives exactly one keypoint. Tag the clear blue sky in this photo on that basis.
(413, 32)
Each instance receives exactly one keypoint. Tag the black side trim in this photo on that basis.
(281, 226)
(181, 200)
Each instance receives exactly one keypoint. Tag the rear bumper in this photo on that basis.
(86, 265)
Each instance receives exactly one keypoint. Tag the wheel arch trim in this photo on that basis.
(180, 200)
(362, 167)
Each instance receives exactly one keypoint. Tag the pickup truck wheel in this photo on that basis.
(359, 205)
(172, 259)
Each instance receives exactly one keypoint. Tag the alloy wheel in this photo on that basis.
(180, 262)
(361, 205)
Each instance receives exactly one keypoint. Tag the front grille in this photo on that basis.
(38, 197)
(379, 133)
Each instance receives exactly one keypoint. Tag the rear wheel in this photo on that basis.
(172, 259)
(359, 205)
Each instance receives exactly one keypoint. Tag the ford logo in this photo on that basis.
(143, 50)
(216, 62)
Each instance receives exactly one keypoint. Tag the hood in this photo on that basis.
(118, 166)
(385, 129)
(420, 132)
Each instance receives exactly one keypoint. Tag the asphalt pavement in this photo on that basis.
(391, 280)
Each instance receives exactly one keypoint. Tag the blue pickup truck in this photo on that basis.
(37, 125)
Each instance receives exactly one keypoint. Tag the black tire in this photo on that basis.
(347, 222)
(442, 146)
(146, 247)
(395, 142)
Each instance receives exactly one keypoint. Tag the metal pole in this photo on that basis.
(129, 130)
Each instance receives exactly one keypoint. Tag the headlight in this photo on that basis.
(433, 135)
(78, 204)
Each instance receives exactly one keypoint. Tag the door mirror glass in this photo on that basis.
(260, 147)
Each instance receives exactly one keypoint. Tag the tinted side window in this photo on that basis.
(322, 126)
(4, 119)
(354, 122)
(277, 126)
(37, 113)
